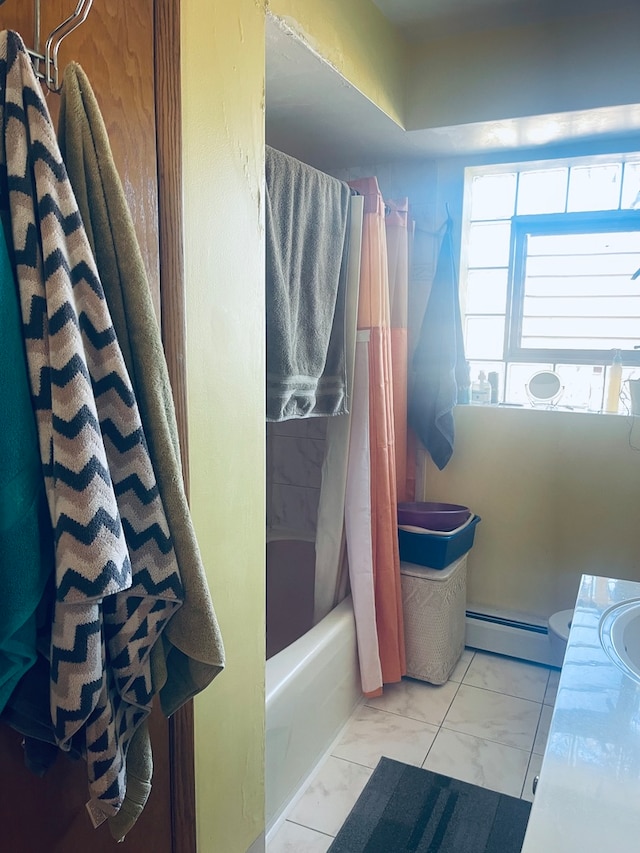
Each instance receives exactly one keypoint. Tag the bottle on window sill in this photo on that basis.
(494, 380)
(614, 384)
(480, 389)
(596, 388)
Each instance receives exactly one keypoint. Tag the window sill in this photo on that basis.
(526, 407)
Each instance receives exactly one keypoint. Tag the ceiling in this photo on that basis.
(314, 114)
(423, 20)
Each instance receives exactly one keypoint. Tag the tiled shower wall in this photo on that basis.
(295, 452)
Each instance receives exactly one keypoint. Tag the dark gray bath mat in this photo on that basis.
(405, 809)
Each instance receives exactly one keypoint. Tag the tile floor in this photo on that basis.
(487, 725)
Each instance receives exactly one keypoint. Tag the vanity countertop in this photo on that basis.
(588, 795)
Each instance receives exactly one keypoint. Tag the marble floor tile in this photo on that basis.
(494, 716)
(543, 730)
(533, 770)
(372, 733)
(507, 675)
(293, 838)
(462, 666)
(417, 699)
(330, 795)
(478, 761)
(552, 687)
(488, 725)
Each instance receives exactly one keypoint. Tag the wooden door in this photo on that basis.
(118, 48)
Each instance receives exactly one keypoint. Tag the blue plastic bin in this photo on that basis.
(436, 551)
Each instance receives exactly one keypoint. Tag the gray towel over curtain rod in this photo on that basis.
(307, 214)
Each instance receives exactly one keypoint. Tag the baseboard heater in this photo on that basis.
(506, 635)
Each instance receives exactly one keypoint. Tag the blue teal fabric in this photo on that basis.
(439, 371)
(26, 546)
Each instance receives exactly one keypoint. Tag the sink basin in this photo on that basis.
(620, 636)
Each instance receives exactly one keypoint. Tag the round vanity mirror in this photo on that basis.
(544, 387)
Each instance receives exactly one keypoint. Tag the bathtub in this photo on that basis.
(312, 687)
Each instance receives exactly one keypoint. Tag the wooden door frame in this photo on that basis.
(168, 112)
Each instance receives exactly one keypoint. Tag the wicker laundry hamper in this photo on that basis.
(434, 602)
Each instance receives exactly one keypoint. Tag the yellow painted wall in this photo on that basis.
(358, 41)
(577, 63)
(223, 111)
(558, 494)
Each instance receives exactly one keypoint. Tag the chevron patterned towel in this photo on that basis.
(117, 579)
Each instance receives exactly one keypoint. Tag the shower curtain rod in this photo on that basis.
(51, 75)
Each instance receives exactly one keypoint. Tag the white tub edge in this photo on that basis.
(312, 688)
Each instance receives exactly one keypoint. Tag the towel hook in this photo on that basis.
(57, 36)
(51, 74)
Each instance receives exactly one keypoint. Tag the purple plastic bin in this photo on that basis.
(433, 516)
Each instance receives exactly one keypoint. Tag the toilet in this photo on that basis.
(559, 627)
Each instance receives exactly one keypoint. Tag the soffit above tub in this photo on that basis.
(426, 20)
(314, 114)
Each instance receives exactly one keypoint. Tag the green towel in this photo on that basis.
(192, 652)
(26, 543)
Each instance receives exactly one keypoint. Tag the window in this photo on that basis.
(573, 295)
(547, 275)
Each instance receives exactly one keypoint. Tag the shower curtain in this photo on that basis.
(398, 232)
(371, 504)
(330, 539)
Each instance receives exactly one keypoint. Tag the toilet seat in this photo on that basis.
(560, 623)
